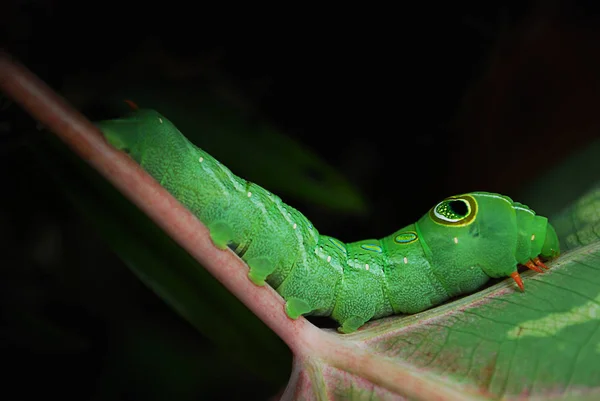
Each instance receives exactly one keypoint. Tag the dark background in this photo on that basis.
(412, 103)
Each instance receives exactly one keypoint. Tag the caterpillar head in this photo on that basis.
(478, 235)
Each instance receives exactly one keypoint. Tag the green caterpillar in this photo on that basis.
(454, 249)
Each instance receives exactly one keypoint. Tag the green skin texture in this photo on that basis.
(452, 250)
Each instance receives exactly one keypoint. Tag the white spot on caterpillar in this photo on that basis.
(160, 119)
(201, 159)
(366, 266)
(405, 260)
(249, 194)
(455, 240)
(295, 226)
(329, 258)
(532, 237)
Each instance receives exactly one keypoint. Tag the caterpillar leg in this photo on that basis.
(352, 324)
(294, 307)
(539, 263)
(535, 264)
(220, 233)
(517, 277)
(260, 269)
(315, 297)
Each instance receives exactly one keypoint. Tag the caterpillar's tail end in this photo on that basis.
(515, 276)
(131, 104)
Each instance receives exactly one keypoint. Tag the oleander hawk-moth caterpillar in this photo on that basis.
(455, 248)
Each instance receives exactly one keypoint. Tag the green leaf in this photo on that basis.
(579, 223)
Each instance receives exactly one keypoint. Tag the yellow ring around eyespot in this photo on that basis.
(472, 213)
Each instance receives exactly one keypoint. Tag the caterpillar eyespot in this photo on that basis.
(454, 249)
(456, 210)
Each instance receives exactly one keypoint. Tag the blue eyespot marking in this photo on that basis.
(339, 244)
(372, 248)
(406, 237)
